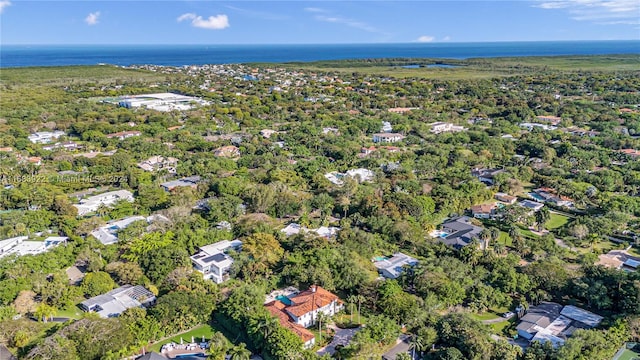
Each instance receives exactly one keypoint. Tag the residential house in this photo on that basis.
(392, 268)
(306, 305)
(191, 181)
(554, 323)
(505, 198)
(213, 261)
(123, 135)
(276, 308)
(630, 152)
(108, 234)
(553, 120)
(459, 232)
(159, 162)
(330, 130)
(484, 211)
(152, 356)
(21, 246)
(299, 311)
(441, 127)
(531, 126)
(229, 151)
(324, 231)
(486, 176)
(45, 137)
(360, 175)
(386, 127)
(75, 275)
(533, 206)
(116, 301)
(91, 204)
(401, 110)
(387, 137)
(266, 133)
(550, 196)
(67, 145)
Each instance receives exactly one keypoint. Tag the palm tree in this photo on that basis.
(321, 317)
(360, 300)
(416, 344)
(45, 312)
(218, 341)
(485, 236)
(352, 299)
(239, 352)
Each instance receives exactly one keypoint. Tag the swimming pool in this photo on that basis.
(194, 356)
(536, 197)
(285, 300)
(380, 258)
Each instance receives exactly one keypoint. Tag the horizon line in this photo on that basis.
(309, 44)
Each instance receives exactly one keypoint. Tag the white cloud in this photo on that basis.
(446, 38)
(606, 12)
(4, 4)
(349, 22)
(315, 10)
(217, 22)
(425, 39)
(92, 18)
(258, 14)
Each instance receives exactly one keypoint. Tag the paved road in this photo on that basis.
(341, 337)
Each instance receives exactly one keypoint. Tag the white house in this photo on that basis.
(108, 234)
(20, 246)
(116, 301)
(306, 305)
(387, 137)
(324, 231)
(392, 267)
(214, 262)
(92, 203)
(440, 127)
(45, 137)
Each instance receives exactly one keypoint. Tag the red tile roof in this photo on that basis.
(313, 298)
(276, 309)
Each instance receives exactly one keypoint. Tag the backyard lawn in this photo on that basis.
(505, 239)
(197, 333)
(635, 251)
(72, 312)
(556, 221)
(628, 355)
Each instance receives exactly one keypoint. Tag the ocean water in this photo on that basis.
(178, 55)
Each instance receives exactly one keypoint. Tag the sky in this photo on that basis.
(301, 22)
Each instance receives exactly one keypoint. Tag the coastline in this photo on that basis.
(13, 56)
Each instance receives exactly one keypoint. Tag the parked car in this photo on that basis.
(508, 315)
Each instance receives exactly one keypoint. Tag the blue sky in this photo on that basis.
(300, 22)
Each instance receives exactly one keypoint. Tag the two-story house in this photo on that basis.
(213, 261)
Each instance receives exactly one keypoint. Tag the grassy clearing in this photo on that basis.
(556, 221)
(197, 333)
(628, 355)
(505, 239)
(71, 312)
(635, 251)
(501, 327)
